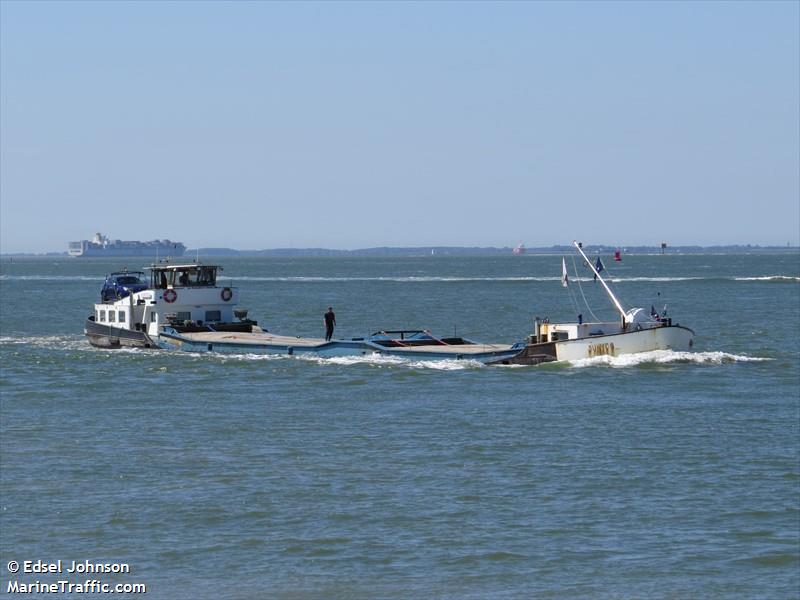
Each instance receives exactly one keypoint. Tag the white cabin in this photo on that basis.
(186, 294)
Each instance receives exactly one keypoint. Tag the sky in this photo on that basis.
(348, 125)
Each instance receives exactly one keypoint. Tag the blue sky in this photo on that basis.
(356, 124)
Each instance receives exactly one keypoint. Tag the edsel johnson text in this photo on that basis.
(73, 566)
(78, 577)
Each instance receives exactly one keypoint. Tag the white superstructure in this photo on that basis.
(181, 294)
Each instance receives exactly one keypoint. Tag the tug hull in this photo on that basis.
(667, 337)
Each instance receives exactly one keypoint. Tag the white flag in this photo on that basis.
(564, 278)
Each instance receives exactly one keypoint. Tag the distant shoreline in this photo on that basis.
(450, 251)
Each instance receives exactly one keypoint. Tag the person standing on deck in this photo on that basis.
(330, 323)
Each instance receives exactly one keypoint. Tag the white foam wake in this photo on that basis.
(665, 357)
(44, 341)
(397, 361)
(398, 279)
(450, 279)
(615, 279)
(66, 342)
(376, 360)
(768, 278)
(626, 360)
(50, 278)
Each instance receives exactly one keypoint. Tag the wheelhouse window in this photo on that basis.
(207, 276)
(160, 279)
(111, 315)
(187, 277)
(184, 276)
(101, 316)
(122, 316)
(196, 276)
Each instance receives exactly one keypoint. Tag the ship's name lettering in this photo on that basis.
(601, 349)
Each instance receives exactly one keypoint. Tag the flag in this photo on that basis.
(598, 266)
(564, 278)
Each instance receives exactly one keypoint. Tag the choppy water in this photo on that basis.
(666, 475)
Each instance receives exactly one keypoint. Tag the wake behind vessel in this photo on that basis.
(102, 246)
(182, 307)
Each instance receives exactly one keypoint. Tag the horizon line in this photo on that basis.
(429, 247)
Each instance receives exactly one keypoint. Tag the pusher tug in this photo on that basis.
(636, 331)
(182, 307)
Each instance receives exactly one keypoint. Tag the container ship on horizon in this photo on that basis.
(101, 246)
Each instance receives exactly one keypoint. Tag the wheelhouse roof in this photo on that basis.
(182, 267)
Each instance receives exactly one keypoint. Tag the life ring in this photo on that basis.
(170, 296)
(226, 294)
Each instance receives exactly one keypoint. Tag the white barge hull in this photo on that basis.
(262, 342)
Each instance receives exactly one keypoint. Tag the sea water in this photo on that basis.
(661, 475)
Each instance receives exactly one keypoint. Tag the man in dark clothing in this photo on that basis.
(330, 323)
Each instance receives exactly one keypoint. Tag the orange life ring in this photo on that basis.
(226, 294)
(170, 296)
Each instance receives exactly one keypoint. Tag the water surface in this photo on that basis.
(664, 475)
